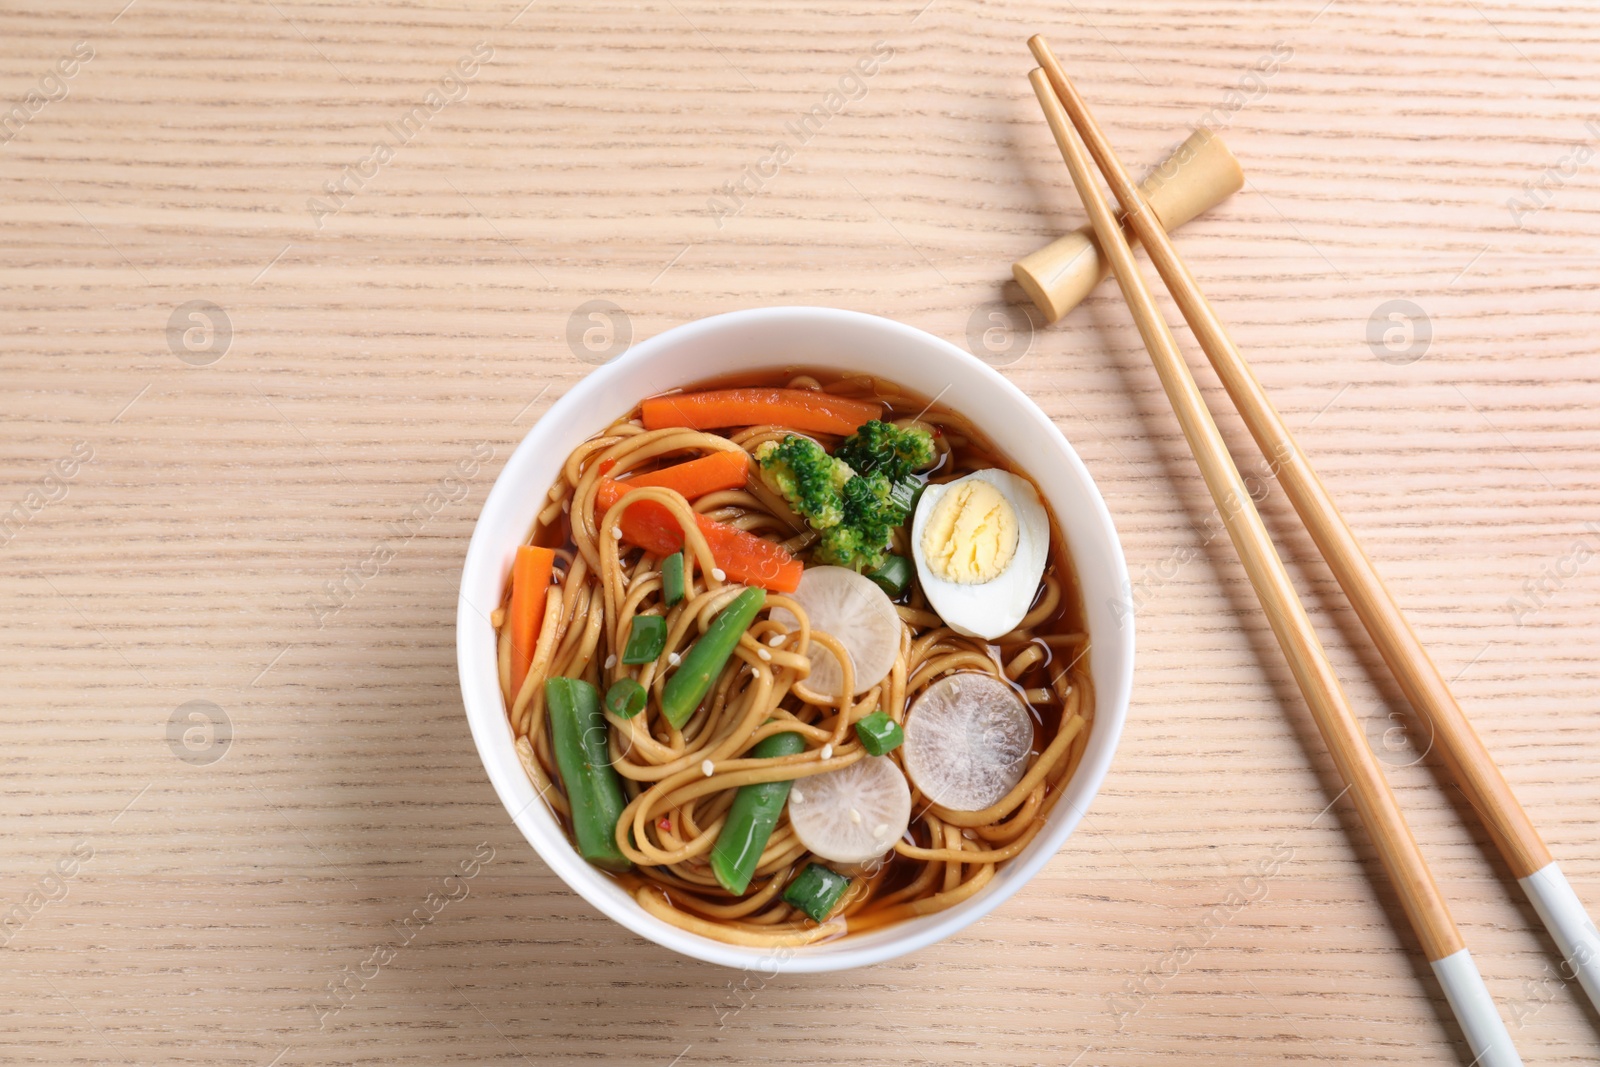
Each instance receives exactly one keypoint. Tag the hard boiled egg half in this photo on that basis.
(980, 545)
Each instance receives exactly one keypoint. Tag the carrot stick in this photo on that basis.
(530, 582)
(807, 410)
(743, 557)
(720, 470)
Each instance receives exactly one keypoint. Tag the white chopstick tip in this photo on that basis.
(1569, 924)
(1475, 1010)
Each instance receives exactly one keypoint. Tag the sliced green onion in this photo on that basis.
(894, 576)
(647, 636)
(594, 791)
(672, 579)
(816, 891)
(879, 733)
(750, 820)
(625, 698)
(705, 660)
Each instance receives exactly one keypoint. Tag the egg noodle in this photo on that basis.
(679, 784)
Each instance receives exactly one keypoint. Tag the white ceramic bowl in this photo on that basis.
(828, 339)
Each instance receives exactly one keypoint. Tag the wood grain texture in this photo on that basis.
(189, 559)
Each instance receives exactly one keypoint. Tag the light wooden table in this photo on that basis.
(191, 476)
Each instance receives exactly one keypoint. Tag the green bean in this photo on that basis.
(647, 636)
(893, 576)
(672, 579)
(750, 820)
(816, 890)
(594, 791)
(705, 660)
(905, 492)
(879, 733)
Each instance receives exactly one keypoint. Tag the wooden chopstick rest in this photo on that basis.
(1199, 174)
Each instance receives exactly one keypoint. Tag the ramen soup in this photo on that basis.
(794, 657)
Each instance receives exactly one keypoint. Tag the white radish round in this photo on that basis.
(853, 814)
(967, 741)
(851, 609)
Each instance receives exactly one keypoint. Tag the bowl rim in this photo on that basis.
(491, 730)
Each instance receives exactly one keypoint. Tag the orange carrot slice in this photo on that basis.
(743, 557)
(806, 410)
(720, 470)
(530, 583)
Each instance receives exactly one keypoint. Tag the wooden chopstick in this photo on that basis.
(1466, 759)
(1375, 801)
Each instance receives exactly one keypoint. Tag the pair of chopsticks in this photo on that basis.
(1465, 757)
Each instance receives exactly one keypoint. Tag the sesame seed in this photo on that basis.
(611, 661)
(707, 768)
(673, 658)
(796, 796)
(776, 639)
(827, 751)
(719, 574)
(764, 655)
(616, 533)
(855, 816)
(880, 829)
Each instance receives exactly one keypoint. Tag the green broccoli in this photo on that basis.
(884, 448)
(862, 538)
(854, 513)
(798, 469)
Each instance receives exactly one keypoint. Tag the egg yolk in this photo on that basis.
(971, 534)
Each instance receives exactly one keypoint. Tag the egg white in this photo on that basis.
(988, 609)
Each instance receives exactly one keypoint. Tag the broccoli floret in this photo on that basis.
(883, 448)
(854, 513)
(862, 537)
(841, 546)
(802, 472)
